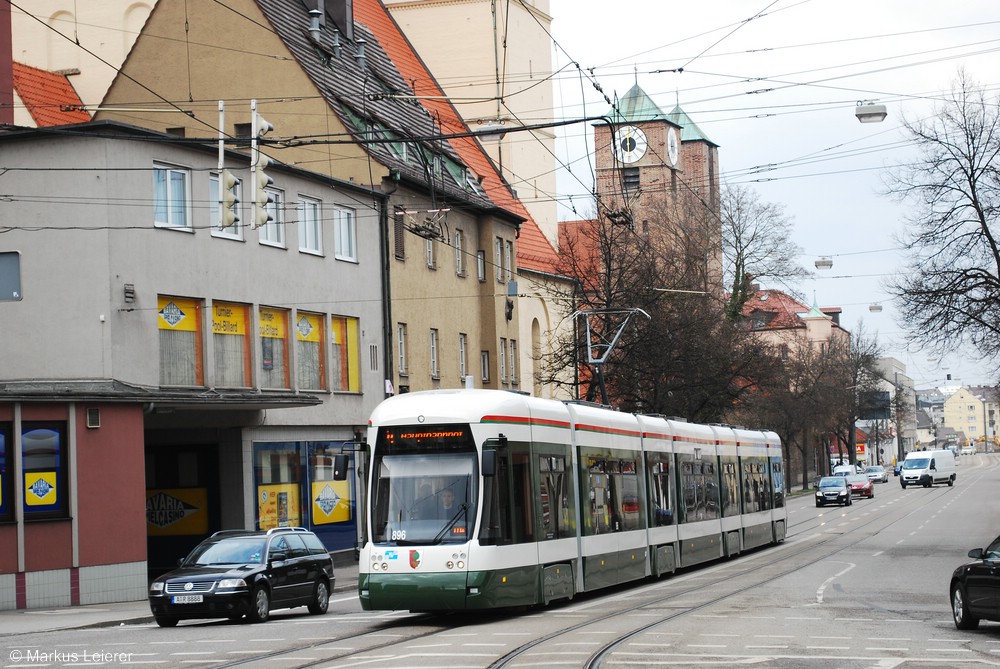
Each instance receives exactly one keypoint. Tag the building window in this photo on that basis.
(310, 226)
(481, 265)
(345, 234)
(508, 261)
(459, 244)
(401, 348)
(44, 465)
(274, 369)
(311, 337)
(231, 342)
(6, 472)
(399, 233)
(512, 361)
(430, 253)
(272, 233)
(484, 366)
(234, 231)
(463, 367)
(345, 357)
(630, 178)
(498, 259)
(171, 190)
(503, 359)
(181, 356)
(435, 368)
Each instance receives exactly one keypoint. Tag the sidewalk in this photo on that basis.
(29, 621)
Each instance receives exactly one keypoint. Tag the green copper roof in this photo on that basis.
(689, 130)
(636, 107)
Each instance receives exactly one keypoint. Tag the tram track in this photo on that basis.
(742, 574)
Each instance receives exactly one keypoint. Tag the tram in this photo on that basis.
(482, 499)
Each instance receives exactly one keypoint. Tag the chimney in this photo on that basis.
(6, 65)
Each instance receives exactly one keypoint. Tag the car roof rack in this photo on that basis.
(287, 529)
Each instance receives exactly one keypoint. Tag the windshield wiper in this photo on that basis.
(462, 508)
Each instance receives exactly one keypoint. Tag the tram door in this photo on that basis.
(508, 500)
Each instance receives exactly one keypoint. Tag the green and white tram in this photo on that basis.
(485, 498)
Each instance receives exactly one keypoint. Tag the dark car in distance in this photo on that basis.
(236, 573)
(833, 490)
(975, 588)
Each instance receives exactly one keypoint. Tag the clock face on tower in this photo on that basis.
(630, 144)
(672, 146)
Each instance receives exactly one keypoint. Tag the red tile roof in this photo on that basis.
(783, 308)
(534, 250)
(48, 96)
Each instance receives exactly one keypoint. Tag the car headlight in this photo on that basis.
(232, 583)
(819, 494)
(156, 586)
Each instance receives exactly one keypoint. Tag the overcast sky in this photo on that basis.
(775, 84)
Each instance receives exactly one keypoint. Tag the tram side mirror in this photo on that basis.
(340, 465)
(489, 463)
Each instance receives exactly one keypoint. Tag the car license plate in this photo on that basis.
(186, 599)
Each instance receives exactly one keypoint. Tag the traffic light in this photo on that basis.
(228, 199)
(259, 163)
(261, 198)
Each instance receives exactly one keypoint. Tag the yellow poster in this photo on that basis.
(228, 319)
(272, 323)
(40, 488)
(177, 313)
(331, 502)
(278, 505)
(309, 327)
(172, 511)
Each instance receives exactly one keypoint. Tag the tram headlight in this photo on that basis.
(449, 564)
(461, 564)
(385, 566)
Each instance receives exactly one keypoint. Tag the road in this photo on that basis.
(858, 586)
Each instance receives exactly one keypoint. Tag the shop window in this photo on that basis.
(181, 356)
(311, 337)
(344, 358)
(278, 476)
(6, 472)
(231, 341)
(274, 370)
(331, 501)
(44, 464)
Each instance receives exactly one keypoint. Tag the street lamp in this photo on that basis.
(875, 308)
(869, 112)
(824, 262)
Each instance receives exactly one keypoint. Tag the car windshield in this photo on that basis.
(916, 463)
(831, 482)
(231, 550)
(875, 470)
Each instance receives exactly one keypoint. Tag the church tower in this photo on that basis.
(647, 159)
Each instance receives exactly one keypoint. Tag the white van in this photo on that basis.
(927, 468)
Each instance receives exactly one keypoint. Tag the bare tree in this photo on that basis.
(756, 245)
(950, 289)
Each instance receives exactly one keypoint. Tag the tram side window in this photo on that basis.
(556, 507)
(612, 487)
(756, 493)
(730, 486)
(661, 510)
(699, 489)
(778, 482)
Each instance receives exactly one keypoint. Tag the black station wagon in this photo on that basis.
(236, 573)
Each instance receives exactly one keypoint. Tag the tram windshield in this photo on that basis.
(424, 498)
